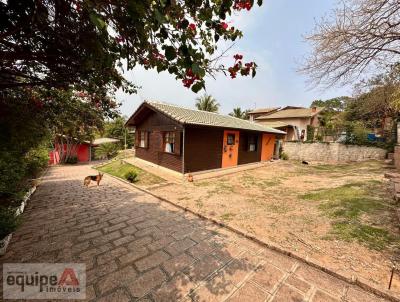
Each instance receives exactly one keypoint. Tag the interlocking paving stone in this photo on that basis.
(116, 279)
(268, 276)
(134, 255)
(149, 280)
(151, 261)
(320, 296)
(135, 246)
(288, 294)
(249, 292)
(177, 263)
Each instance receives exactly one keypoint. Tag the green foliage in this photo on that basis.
(116, 129)
(284, 156)
(108, 151)
(36, 160)
(13, 170)
(71, 160)
(354, 210)
(8, 221)
(88, 43)
(310, 133)
(207, 103)
(237, 112)
(131, 176)
(120, 169)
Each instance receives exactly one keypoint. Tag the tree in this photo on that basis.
(362, 35)
(89, 43)
(207, 103)
(116, 129)
(376, 99)
(237, 112)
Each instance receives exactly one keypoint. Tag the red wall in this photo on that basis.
(82, 153)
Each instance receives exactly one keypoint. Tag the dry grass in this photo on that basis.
(340, 215)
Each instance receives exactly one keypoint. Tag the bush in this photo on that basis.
(8, 221)
(108, 151)
(284, 156)
(36, 160)
(131, 176)
(71, 160)
(12, 169)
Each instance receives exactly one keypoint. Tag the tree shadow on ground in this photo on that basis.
(133, 244)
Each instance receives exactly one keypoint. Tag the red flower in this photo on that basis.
(224, 25)
(192, 26)
(237, 57)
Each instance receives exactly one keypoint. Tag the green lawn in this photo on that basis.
(120, 169)
(352, 206)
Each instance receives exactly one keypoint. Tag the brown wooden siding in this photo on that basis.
(246, 157)
(203, 148)
(155, 123)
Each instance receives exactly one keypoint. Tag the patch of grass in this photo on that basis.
(120, 169)
(277, 208)
(248, 181)
(227, 216)
(221, 187)
(349, 205)
(373, 237)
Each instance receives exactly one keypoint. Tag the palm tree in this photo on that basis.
(237, 112)
(207, 103)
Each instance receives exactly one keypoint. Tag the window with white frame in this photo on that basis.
(169, 142)
(142, 139)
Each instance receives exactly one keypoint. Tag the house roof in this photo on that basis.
(276, 124)
(290, 113)
(203, 118)
(263, 110)
(104, 140)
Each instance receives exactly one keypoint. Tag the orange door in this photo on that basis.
(267, 146)
(230, 149)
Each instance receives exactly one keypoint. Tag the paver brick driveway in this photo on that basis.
(138, 248)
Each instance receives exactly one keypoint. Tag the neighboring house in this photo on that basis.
(82, 152)
(292, 120)
(261, 111)
(187, 140)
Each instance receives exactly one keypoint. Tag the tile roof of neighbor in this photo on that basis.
(264, 110)
(104, 140)
(288, 113)
(277, 124)
(197, 117)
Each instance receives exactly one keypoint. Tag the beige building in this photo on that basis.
(261, 111)
(292, 120)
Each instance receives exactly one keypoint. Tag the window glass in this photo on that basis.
(169, 142)
(252, 143)
(230, 139)
(142, 142)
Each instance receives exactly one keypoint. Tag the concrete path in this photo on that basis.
(138, 248)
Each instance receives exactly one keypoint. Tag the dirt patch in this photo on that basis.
(340, 215)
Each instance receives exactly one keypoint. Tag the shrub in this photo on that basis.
(8, 221)
(284, 156)
(12, 169)
(71, 160)
(36, 160)
(131, 176)
(108, 151)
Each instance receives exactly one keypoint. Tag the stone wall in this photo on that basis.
(331, 152)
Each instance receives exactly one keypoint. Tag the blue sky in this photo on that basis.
(274, 38)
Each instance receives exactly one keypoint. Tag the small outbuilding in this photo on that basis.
(187, 140)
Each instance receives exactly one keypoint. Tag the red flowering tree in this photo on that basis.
(87, 43)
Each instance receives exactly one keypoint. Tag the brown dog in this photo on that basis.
(96, 178)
